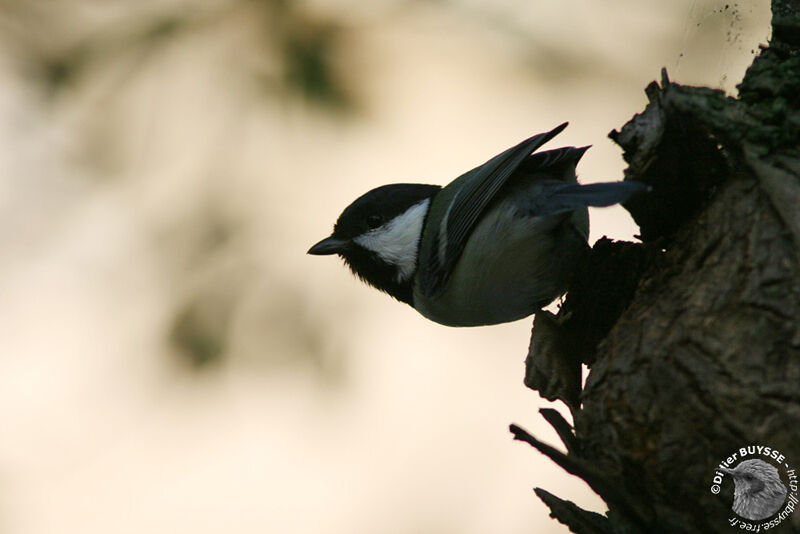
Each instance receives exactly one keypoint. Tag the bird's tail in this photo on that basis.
(566, 197)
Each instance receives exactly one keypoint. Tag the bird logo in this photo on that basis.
(759, 492)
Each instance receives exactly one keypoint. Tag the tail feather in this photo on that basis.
(560, 197)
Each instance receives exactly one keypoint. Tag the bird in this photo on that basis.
(495, 245)
(758, 492)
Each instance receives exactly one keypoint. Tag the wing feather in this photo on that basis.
(479, 187)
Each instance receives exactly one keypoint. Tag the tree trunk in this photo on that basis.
(692, 336)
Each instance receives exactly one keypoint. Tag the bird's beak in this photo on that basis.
(329, 245)
(727, 471)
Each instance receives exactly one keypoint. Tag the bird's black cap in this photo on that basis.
(378, 206)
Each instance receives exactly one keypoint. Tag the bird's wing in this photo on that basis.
(553, 161)
(477, 189)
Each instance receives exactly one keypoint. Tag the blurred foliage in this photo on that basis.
(290, 50)
(309, 64)
(230, 308)
(268, 326)
(198, 332)
(208, 270)
(60, 71)
(309, 48)
(310, 45)
(63, 46)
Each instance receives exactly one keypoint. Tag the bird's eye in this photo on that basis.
(374, 221)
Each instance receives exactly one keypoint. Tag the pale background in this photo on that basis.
(172, 361)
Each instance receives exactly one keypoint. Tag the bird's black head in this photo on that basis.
(378, 236)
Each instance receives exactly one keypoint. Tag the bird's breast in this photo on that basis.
(511, 266)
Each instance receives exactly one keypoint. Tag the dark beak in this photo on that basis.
(730, 472)
(329, 245)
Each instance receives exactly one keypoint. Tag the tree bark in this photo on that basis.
(692, 336)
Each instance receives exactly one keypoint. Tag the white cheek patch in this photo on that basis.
(396, 242)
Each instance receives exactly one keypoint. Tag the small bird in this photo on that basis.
(495, 245)
(759, 492)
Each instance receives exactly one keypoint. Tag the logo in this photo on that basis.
(764, 487)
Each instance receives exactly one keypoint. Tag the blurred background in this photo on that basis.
(170, 358)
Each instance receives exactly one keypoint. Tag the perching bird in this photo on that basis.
(495, 245)
(759, 492)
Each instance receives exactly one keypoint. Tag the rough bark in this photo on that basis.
(692, 336)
